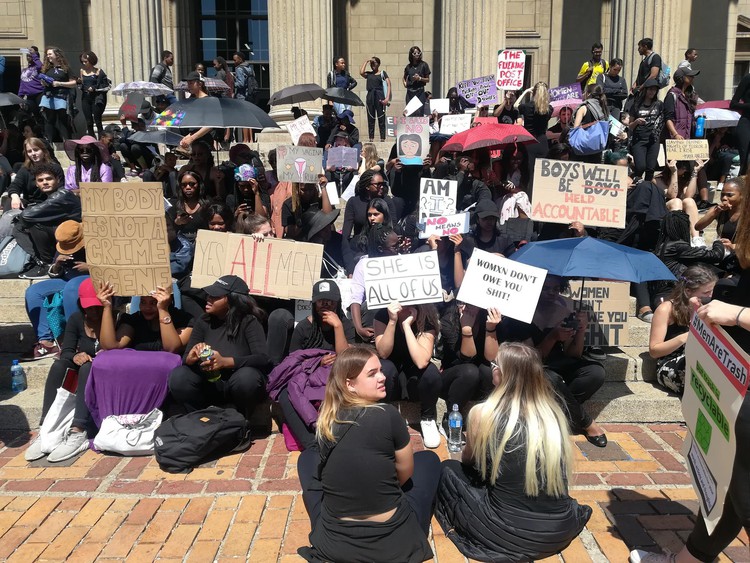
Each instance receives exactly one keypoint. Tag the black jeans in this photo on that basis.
(423, 385)
(375, 110)
(56, 121)
(460, 385)
(55, 378)
(645, 155)
(304, 434)
(280, 329)
(574, 386)
(419, 491)
(93, 113)
(243, 388)
(37, 240)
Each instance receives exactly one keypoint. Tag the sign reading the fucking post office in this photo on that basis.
(126, 236)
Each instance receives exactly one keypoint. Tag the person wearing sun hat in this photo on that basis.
(90, 162)
(235, 371)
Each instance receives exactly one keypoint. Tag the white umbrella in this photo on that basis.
(716, 117)
(145, 88)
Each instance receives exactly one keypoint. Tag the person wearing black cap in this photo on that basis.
(645, 123)
(235, 371)
(679, 104)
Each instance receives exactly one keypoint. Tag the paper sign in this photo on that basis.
(302, 310)
(272, 267)
(348, 193)
(299, 164)
(299, 126)
(716, 379)
(594, 194)
(412, 139)
(510, 68)
(414, 105)
(390, 126)
(446, 225)
(607, 304)
(478, 91)
(440, 105)
(692, 149)
(437, 198)
(616, 127)
(342, 157)
(510, 287)
(126, 236)
(333, 194)
(131, 107)
(452, 124)
(563, 95)
(407, 278)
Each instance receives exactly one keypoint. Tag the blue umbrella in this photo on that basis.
(589, 257)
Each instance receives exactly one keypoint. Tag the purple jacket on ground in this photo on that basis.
(305, 379)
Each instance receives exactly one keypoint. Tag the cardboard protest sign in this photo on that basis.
(409, 279)
(412, 139)
(126, 236)
(510, 287)
(446, 225)
(452, 124)
(272, 267)
(437, 198)
(131, 107)
(299, 164)
(414, 105)
(594, 194)
(716, 380)
(607, 304)
(511, 64)
(299, 126)
(440, 105)
(689, 149)
(478, 91)
(568, 95)
(342, 157)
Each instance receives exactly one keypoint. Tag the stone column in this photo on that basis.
(301, 46)
(632, 21)
(128, 40)
(472, 33)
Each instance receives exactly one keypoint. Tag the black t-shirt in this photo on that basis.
(360, 477)
(651, 114)
(644, 69)
(196, 222)
(145, 337)
(422, 69)
(400, 355)
(301, 338)
(374, 82)
(76, 340)
(249, 349)
(59, 75)
(533, 122)
(508, 116)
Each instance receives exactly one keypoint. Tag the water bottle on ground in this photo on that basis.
(17, 378)
(455, 429)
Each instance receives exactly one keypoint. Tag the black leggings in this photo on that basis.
(464, 382)
(55, 378)
(375, 110)
(574, 386)
(742, 134)
(736, 514)
(56, 121)
(419, 491)
(303, 433)
(645, 156)
(280, 329)
(93, 113)
(243, 388)
(37, 240)
(423, 385)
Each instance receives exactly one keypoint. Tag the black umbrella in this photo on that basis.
(214, 112)
(343, 96)
(157, 137)
(297, 93)
(8, 99)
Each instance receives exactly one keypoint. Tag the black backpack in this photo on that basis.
(186, 441)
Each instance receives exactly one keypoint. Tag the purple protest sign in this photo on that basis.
(478, 91)
(562, 94)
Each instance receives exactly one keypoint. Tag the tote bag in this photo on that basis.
(57, 421)
(590, 138)
(128, 434)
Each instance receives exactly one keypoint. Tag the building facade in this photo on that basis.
(294, 41)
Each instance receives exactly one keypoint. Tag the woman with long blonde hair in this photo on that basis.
(535, 113)
(513, 504)
(369, 497)
(370, 159)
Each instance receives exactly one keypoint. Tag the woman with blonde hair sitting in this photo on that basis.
(368, 496)
(510, 501)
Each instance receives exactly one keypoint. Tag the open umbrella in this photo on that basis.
(343, 96)
(213, 86)
(214, 112)
(9, 99)
(589, 257)
(140, 87)
(488, 136)
(716, 117)
(716, 104)
(296, 94)
(157, 137)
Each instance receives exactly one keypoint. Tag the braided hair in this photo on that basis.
(377, 238)
(365, 179)
(674, 227)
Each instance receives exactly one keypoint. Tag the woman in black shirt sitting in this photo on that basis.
(368, 496)
(235, 370)
(189, 211)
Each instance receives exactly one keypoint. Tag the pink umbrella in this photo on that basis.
(492, 136)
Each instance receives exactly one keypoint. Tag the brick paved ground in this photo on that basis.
(248, 506)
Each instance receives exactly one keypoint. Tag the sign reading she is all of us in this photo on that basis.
(126, 236)
(409, 279)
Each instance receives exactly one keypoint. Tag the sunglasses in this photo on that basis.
(377, 184)
(191, 184)
(85, 149)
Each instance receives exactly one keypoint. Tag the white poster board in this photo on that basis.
(299, 126)
(446, 225)
(452, 124)
(409, 279)
(437, 198)
(511, 64)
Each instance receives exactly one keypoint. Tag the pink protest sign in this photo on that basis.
(511, 64)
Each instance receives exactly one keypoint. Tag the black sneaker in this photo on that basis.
(704, 206)
(35, 272)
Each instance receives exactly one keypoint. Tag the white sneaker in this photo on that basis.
(34, 451)
(697, 241)
(640, 556)
(430, 433)
(73, 444)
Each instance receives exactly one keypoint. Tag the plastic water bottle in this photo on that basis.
(17, 378)
(455, 428)
(700, 124)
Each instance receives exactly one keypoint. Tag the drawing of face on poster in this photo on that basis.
(412, 139)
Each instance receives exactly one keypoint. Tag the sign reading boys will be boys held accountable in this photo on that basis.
(126, 236)
(493, 281)
(272, 267)
(511, 64)
(409, 279)
(717, 373)
(594, 194)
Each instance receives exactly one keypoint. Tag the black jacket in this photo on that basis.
(60, 206)
(470, 190)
